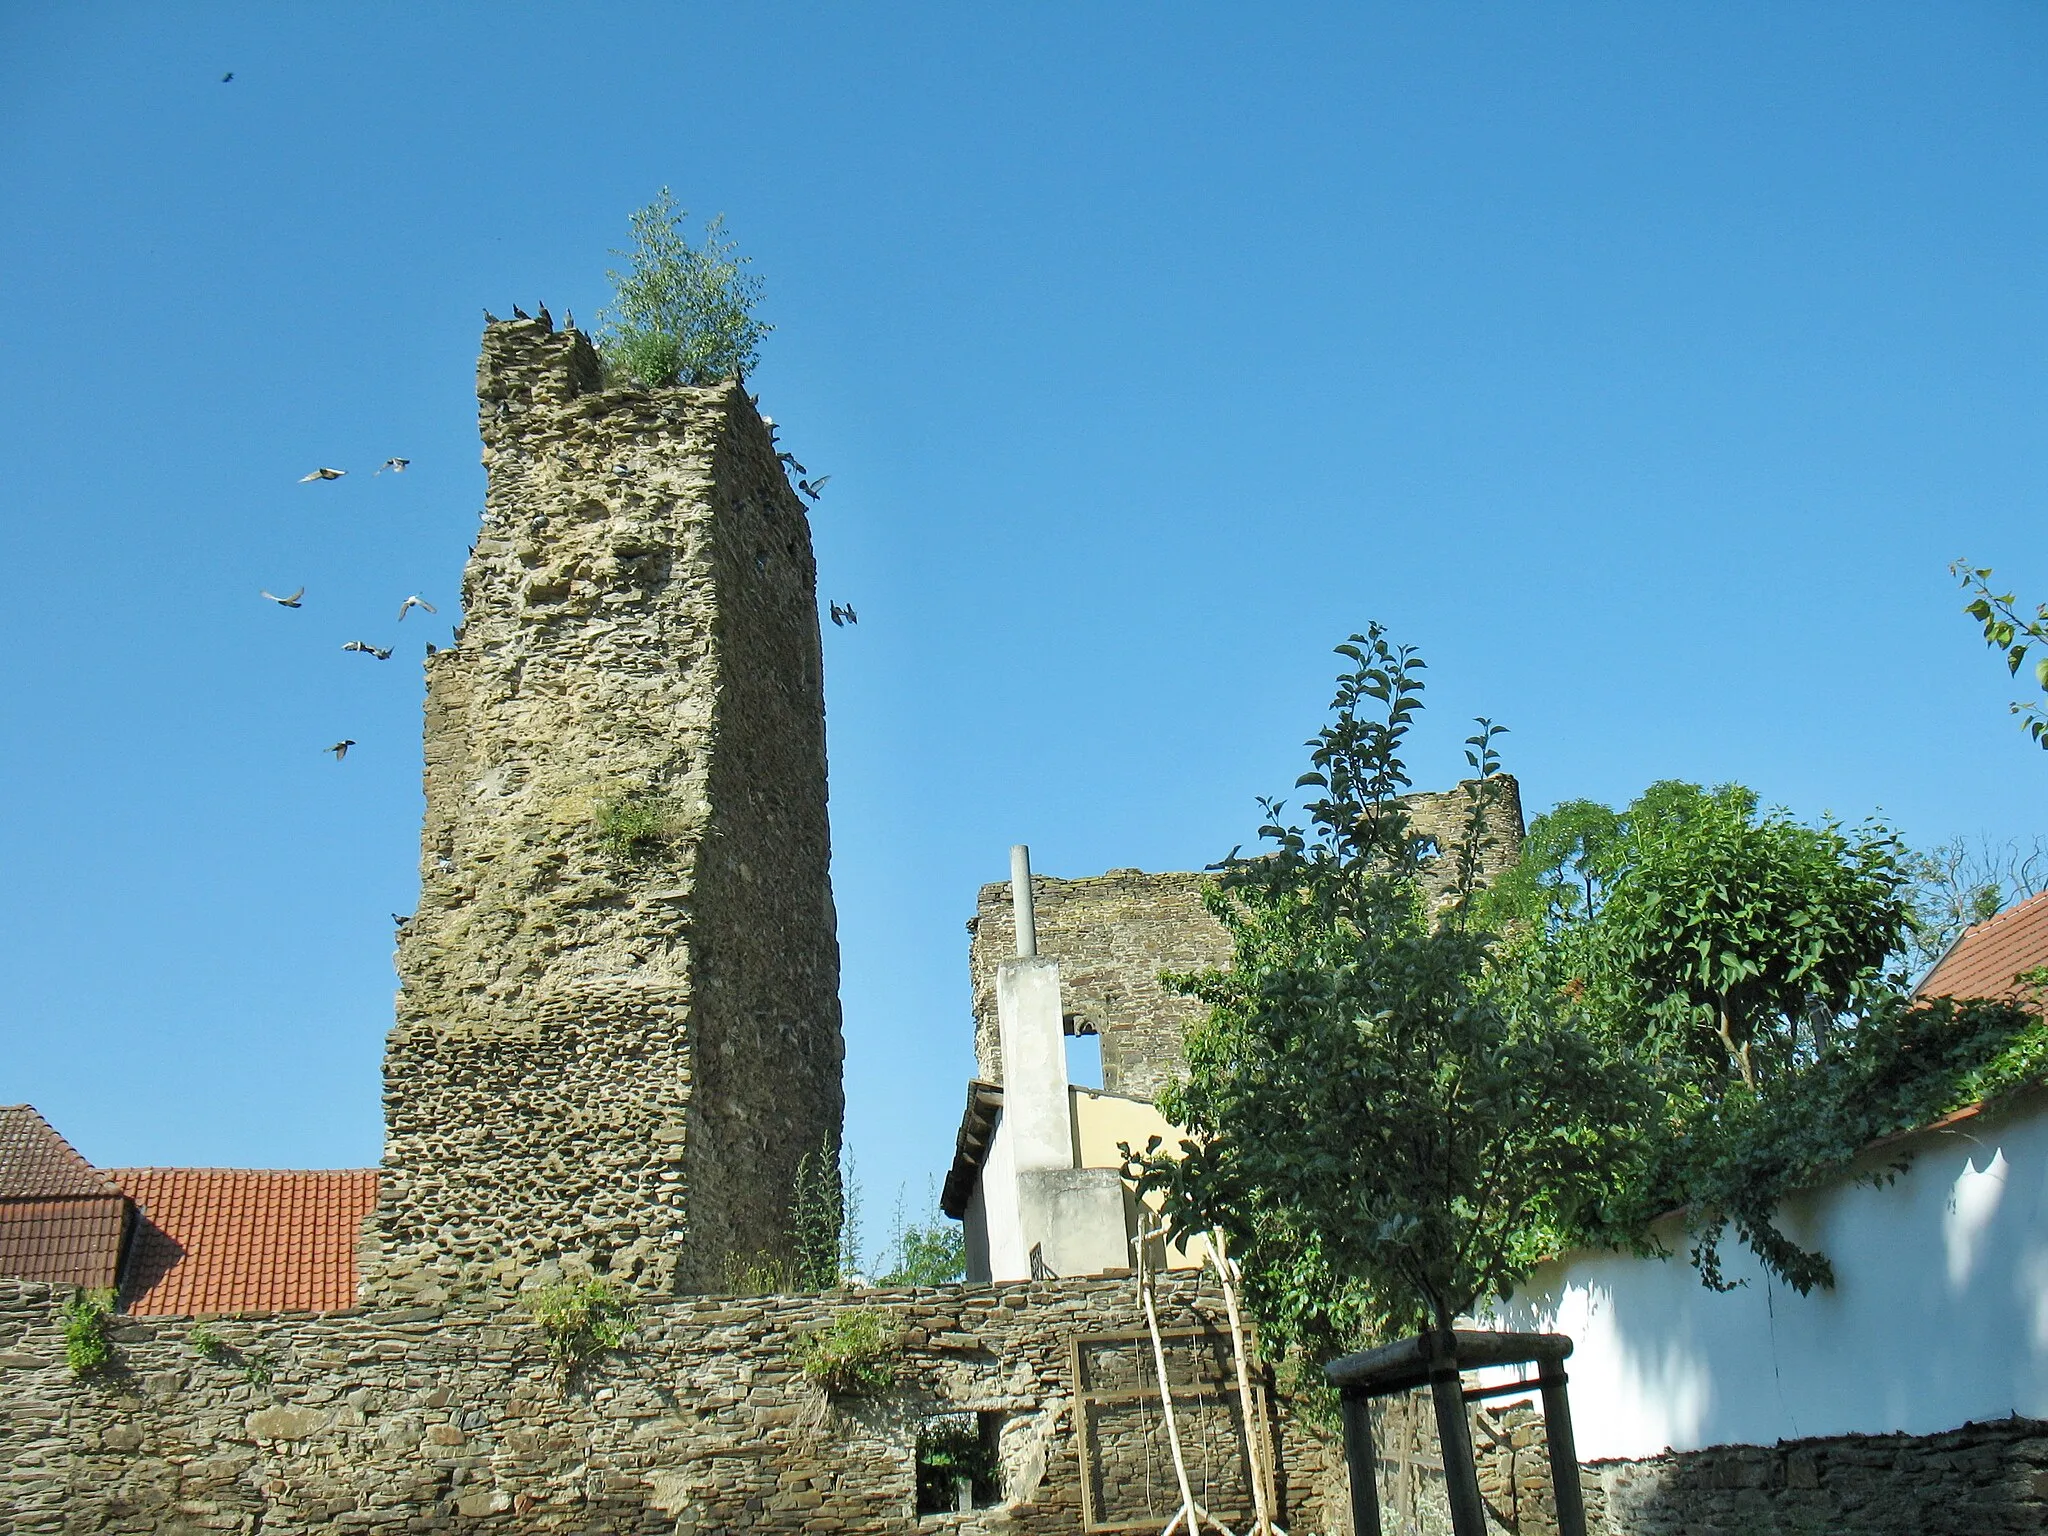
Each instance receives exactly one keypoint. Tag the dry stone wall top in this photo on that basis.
(420, 1420)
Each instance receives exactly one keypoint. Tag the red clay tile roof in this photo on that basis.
(38, 1164)
(61, 1219)
(245, 1239)
(64, 1242)
(1987, 958)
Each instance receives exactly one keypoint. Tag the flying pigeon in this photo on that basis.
(368, 649)
(323, 474)
(339, 749)
(812, 488)
(224, 79)
(844, 615)
(396, 466)
(415, 601)
(291, 601)
(790, 460)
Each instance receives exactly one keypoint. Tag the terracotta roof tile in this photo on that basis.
(63, 1242)
(245, 1239)
(1987, 960)
(38, 1164)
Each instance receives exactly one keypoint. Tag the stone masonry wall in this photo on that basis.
(602, 1060)
(426, 1420)
(1114, 934)
(1986, 1479)
(1979, 1480)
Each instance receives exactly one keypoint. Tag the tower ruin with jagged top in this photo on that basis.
(618, 1025)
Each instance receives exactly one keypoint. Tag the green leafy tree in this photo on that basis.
(2012, 633)
(931, 1251)
(681, 313)
(1737, 929)
(1638, 920)
(1384, 1136)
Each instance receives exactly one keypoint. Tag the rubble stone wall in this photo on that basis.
(426, 1420)
(605, 1056)
(1988, 1479)
(1113, 935)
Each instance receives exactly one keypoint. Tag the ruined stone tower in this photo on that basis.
(618, 1023)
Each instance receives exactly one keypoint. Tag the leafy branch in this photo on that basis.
(2011, 633)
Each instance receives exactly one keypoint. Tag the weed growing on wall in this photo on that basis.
(818, 1221)
(255, 1368)
(210, 1345)
(581, 1320)
(636, 829)
(681, 313)
(86, 1347)
(852, 1356)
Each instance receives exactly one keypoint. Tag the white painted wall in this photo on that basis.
(1939, 1314)
(995, 1225)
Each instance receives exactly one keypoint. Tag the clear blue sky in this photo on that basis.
(1645, 365)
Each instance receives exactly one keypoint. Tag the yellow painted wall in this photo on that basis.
(1101, 1120)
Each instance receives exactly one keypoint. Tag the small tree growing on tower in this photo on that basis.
(681, 313)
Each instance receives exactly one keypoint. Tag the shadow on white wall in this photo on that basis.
(1939, 1314)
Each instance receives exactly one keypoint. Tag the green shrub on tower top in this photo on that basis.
(681, 313)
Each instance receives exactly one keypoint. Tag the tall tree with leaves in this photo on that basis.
(1739, 929)
(1745, 962)
(1384, 1138)
(681, 313)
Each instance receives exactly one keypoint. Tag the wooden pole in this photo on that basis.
(1358, 1461)
(1454, 1439)
(1564, 1450)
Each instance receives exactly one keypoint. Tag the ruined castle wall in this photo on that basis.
(608, 1057)
(1114, 934)
(426, 1421)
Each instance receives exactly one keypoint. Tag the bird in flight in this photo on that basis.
(323, 473)
(415, 601)
(289, 601)
(396, 466)
(224, 79)
(339, 749)
(790, 460)
(811, 488)
(844, 615)
(368, 650)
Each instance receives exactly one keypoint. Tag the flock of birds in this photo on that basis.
(842, 613)
(297, 599)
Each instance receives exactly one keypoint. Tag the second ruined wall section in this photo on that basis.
(1115, 934)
